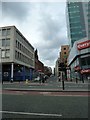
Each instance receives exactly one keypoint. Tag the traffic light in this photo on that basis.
(62, 66)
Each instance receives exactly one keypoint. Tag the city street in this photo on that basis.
(52, 84)
(45, 60)
(23, 105)
(48, 100)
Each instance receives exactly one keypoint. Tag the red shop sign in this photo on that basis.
(83, 45)
(85, 71)
(77, 68)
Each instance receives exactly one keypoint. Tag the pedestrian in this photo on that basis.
(59, 78)
(76, 80)
(40, 79)
(43, 79)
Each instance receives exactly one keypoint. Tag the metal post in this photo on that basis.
(62, 80)
(76, 78)
(0, 84)
(12, 66)
(0, 67)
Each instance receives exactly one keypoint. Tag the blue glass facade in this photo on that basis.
(76, 21)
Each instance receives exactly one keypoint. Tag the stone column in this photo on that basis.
(12, 67)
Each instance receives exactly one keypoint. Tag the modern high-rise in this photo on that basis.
(78, 27)
(78, 20)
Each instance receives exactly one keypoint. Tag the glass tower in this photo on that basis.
(77, 21)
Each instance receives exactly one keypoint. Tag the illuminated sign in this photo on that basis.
(83, 45)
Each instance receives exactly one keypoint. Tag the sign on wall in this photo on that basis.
(83, 45)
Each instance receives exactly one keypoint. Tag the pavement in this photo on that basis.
(48, 87)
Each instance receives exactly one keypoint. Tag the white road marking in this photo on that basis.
(25, 113)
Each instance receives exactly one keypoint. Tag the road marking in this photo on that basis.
(71, 95)
(25, 113)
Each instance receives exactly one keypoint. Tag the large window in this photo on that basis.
(85, 61)
(6, 42)
(5, 53)
(5, 32)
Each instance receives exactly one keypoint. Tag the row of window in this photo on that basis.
(23, 49)
(5, 32)
(23, 40)
(75, 11)
(75, 33)
(5, 53)
(23, 58)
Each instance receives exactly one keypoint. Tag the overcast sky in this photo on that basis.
(43, 24)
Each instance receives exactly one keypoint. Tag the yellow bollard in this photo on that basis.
(26, 81)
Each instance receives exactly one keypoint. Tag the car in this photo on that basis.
(37, 79)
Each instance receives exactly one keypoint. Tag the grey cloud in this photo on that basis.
(53, 32)
(15, 10)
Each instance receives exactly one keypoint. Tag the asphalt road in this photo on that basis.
(18, 102)
(25, 105)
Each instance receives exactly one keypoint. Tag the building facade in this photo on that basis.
(78, 27)
(79, 60)
(17, 55)
(64, 54)
(39, 66)
(78, 20)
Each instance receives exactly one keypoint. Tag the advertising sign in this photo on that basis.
(85, 71)
(83, 45)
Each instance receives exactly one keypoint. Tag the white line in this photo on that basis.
(24, 113)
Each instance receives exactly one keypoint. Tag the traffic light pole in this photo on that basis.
(62, 80)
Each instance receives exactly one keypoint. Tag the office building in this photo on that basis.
(79, 60)
(78, 27)
(78, 20)
(17, 55)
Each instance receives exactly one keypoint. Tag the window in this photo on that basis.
(0, 32)
(3, 53)
(64, 48)
(7, 52)
(4, 32)
(6, 42)
(64, 52)
(3, 42)
(8, 31)
(16, 43)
